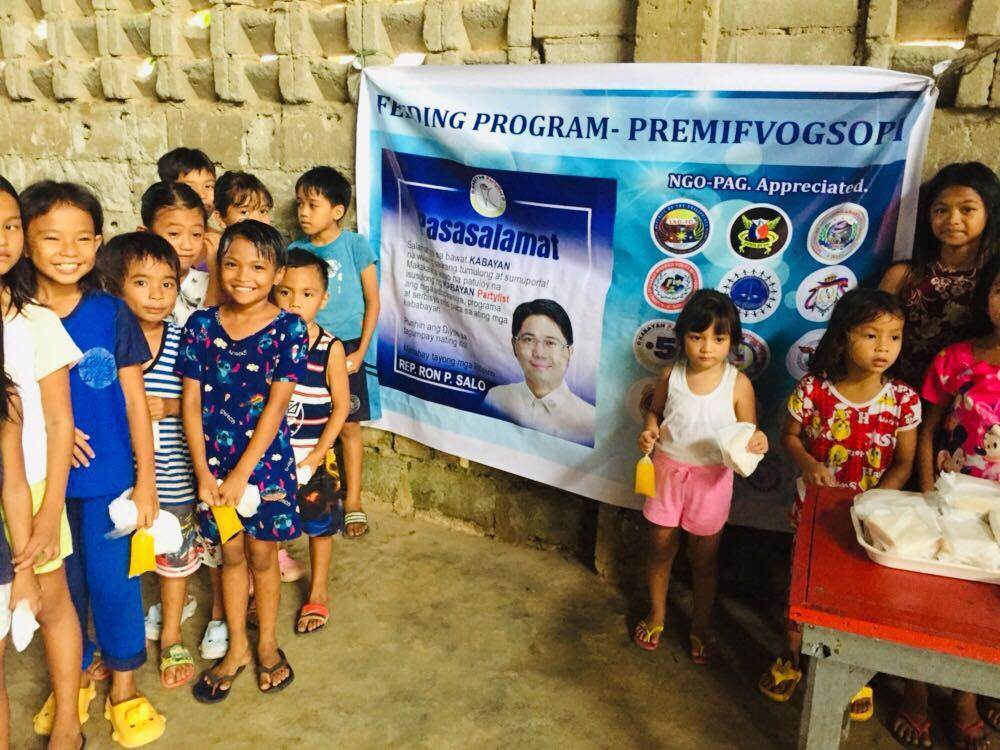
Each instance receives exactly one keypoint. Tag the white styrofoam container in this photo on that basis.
(933, 567)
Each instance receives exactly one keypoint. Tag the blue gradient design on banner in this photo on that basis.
(443, 192)
(642, 178)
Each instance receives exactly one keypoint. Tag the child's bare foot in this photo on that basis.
(355, 520)
(647, 632)
(273, 670)
(969, 729)
(991, 713)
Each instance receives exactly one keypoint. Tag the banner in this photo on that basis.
(541, 227)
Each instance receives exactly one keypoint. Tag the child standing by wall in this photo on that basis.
(963, 410)
(852, 425)
(316, 415)
(322, 196)
(174, 212)
(16, 585)
(114, 439)
(191, 167)
(240, 196)
(958, 231)
(240, 363)
(143, 270)
(695, 396)
(39, 354)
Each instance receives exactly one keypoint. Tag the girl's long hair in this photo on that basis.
(926, 247)
(857, 307)
(19, 279)
(981, 324)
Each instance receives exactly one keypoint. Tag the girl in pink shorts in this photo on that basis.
(695, 396)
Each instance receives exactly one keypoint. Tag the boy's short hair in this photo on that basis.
(182, 160)
(328, 182)
(161, 195)
(133, 247)
(299, 258)
(264, 237)
(240, 188)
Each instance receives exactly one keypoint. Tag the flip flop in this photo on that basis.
(206, 689)
(781, 673)
(269, 671)
(864, 693)
(965, 736)
(353, 518)
(921, 728)
(645, 637)
(135, 722)
(175, 656)
(701, 653)
(316, 611)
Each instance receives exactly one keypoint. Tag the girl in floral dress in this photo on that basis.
(958, 231)
(240, 364)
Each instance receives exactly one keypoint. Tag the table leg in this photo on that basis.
(831, 685)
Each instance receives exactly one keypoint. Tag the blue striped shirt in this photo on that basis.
(174, 475)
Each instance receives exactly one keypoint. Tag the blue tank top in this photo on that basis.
(310, 407)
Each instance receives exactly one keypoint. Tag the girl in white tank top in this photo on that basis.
(695, 397)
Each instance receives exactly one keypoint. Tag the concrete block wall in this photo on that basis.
(96, 90)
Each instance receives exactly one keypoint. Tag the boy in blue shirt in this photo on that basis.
(322, 195)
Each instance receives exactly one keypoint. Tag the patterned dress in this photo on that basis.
(856, 442)
(236, 377)
(970, 440)
(938, 313)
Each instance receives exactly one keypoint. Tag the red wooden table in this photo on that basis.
(860, 618)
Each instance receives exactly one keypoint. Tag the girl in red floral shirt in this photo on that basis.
(852, 425)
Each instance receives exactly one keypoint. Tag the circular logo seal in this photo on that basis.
(837, 233)
(680, 227)
(760, 232)
(751, 356)
(799, 353)
(655, 344)
(755, 291)
(670, 283)
(639, 398)
(820, 291)
(486, 196)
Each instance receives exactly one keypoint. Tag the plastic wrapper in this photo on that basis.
(143, 555)
(963, 492)
(645, 477)
(968, 540)
(732, 441)
(22, 625)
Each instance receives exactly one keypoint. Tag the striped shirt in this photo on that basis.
(174, 475)
(310, 407)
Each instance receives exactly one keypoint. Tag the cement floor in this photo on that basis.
(439, 639)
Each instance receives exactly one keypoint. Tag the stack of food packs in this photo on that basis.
(958, 523)
(902, 523)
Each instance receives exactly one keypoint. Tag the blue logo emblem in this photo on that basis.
(98, 368)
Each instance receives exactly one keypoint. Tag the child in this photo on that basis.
(18, 584)
(143, 269)
(114, 440)
(851, 425)
(963, 408)
(191, 167)
(694, 397)
(315, 426)
(240, 196)
(175, 213)
(322, 196)
(240, 363)
(958, 231)
(39, 354)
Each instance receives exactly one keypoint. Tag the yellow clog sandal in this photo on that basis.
(864, 694)
(780, 681)
(134, 722)
(46, 715)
